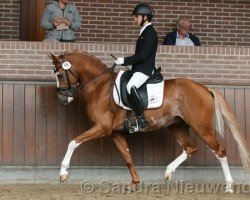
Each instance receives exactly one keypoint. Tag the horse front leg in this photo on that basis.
(93, 133)
(122, 146)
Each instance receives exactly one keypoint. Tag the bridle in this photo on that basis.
(73, 88)
(70, 88)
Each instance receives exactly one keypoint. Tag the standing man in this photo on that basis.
(143, 61)
(182, 37)
(60, 20)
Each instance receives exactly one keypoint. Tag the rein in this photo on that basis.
(71, 89)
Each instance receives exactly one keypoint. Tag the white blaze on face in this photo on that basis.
(57, 81)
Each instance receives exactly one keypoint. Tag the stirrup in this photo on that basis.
(137, 127)
(131, 128)
(134, 124)
(134, 128)
(131, 125)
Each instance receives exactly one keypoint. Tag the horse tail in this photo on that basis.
(223, 113)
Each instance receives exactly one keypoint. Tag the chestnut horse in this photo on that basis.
(186, 104)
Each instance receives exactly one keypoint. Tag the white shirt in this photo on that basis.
(143, 28)
(186, 41)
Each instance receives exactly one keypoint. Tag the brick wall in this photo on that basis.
(208, 65)
(216, 22)
(9, 19)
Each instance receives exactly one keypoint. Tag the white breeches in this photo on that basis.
(136, 80)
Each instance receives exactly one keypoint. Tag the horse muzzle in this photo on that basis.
(64, 99)
(65, 96)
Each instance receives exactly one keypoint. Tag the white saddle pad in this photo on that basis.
(155, 93)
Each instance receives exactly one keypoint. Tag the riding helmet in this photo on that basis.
(143, 9)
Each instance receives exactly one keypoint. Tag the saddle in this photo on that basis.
(151, 96)
(151, 92)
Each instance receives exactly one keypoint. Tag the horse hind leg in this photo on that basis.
(227, 173)
(208, 135)
(181, 133)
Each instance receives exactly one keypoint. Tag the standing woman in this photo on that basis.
(143, 61)
(60, 20)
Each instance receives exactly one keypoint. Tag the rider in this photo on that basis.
(143, 61)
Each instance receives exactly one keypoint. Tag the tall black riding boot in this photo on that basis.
(138, 108)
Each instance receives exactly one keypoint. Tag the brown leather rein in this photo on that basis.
(72, 88)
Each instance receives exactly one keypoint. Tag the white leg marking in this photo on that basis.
(65, 163)
(227, 173)
(173, 165)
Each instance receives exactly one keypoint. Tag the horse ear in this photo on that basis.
(53, 57)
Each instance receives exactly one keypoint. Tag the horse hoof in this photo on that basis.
(63, 177)
(229, 191)
(130, 189)
(133, 187)
(168, 176)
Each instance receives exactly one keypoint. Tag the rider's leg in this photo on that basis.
(135, 82)
(138, 108)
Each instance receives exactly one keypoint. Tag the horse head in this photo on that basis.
(67, 78)
(75, 70)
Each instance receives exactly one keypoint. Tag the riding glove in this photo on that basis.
(119, 61)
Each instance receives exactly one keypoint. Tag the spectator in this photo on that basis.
(182, 37)
(60, 20)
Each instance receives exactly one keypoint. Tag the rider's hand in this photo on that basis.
(119, 61)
